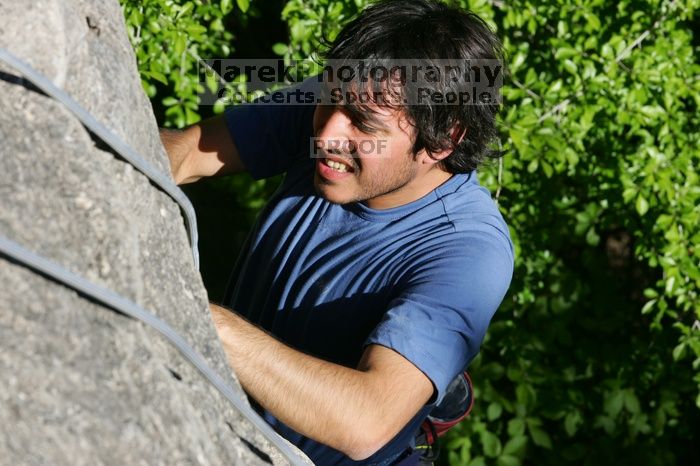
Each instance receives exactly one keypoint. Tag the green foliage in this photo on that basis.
(170, 38)
(591, 356)
(601, 190)
(312, 22)
(594, 356)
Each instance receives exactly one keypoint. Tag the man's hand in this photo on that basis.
(356, 411)
(201, 150)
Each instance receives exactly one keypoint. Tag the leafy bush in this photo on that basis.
(170, 38)
(594, 356)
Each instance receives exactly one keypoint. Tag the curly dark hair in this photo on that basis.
(429, 32)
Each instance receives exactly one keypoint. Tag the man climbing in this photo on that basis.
(369, 279)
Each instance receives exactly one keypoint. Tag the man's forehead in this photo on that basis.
(376, 101)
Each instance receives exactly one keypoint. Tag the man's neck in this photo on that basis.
(412, 191)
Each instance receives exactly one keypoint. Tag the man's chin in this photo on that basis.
(330, 193)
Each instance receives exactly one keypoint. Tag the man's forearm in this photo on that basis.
(329, 403)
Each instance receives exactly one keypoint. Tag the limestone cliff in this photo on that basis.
(80, 383)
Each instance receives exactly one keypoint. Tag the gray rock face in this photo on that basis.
(79, 383)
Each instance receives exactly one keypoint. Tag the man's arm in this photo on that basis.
(355, 411)
(201, 150)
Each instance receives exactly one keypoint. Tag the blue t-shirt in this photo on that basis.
(423, 279)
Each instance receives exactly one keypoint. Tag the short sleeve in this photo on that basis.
(438, 316)
(274, 130)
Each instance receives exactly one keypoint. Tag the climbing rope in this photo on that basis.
(108, 297)
(124, 306)
(112, 140)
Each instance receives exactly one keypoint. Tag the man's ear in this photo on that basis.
(457, 134)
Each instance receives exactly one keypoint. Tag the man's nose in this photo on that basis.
(334, 124)
(333, 136)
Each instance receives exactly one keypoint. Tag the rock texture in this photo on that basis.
(79, 383)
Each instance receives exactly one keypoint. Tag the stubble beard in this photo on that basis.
(386, 182)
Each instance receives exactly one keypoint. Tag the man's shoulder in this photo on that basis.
(471, 210)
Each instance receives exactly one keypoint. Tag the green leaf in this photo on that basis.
(219, 107)
(571, 422)
(641, 205)
(180, 44)
(158, 76)
(540, 437)
(592, 237)
(491, 444)
(518, 60)
(613, 403)
(631, 401)
(494, 411)
(565, 52)
(185, 9)
(515, 445)
(280, 48)
(570, 66)
(679, 351)
(593, 21)
(212, 81)
(547, 169)
(243, 5)
(648, 307)
(516, 427)
(670, 282)
(507, 460)
(525, 395)
(170, 101)
(532, 166)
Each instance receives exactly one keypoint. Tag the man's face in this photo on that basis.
(353, 166)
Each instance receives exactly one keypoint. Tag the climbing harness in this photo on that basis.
(108, 297)
(455, 406)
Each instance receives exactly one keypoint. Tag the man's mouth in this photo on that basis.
(338, 165)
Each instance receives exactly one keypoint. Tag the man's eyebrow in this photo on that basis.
(384, 130)
(373, 126)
